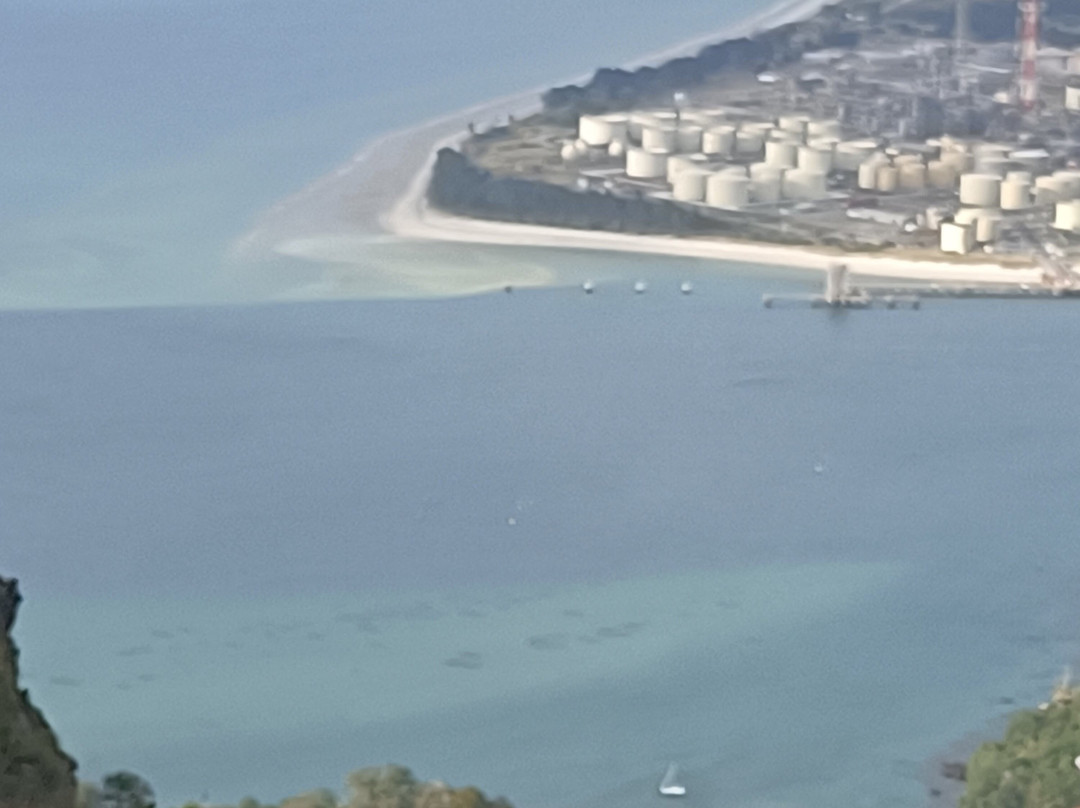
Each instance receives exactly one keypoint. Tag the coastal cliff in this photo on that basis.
(34, 771)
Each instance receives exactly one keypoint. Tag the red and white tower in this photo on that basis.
(1029, 46)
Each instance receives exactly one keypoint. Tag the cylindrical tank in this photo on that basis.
(727, 191)
(993, 164)
(764, 169)
(941, 175)
(850, 154)
(594, 130)
(659, 137)
(739, 170)
(677, 163)
(688, 137)
(748, 142)
(987, 227)
(1018, 176)
(1037, 161)
(690, 185)
(761, 127)
(766, 186)
(781, 154)
(957, 237)
(568, 152)
(801, 184)
(1015, 194)
(1049, 190)
(887, 179)
(960, 161)
(616, 148)
(816, 160)
(934, 217)
(719, 140)
(867, 178)
(829, 128)
(1067, 215)
(796, 124)
(581, 147)
(1072, 98)
(967, 215)
(912, 176)
(646, 163)
(1070, 183)
(983, 190)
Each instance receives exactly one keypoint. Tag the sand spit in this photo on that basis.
(336, 220)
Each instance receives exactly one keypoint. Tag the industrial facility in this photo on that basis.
(940, 148)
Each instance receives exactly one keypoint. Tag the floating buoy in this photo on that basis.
(639, 287)
(686, 288)
(588, 287)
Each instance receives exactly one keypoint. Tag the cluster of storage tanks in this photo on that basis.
(709, 158)
(706, 157)
(995, 179)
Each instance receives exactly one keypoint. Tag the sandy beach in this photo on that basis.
(378, 198)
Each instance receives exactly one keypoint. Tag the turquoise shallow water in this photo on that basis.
(285, 547)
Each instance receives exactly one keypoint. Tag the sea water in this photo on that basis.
(142, 137)
(545, 542)
(541, 542)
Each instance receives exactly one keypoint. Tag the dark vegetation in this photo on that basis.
(34, 771)
(460, 187)
(1032, 766)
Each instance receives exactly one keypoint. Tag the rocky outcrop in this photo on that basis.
(34, 771)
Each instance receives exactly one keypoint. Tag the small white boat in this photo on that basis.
(686, 288)
(588, 287)
(668, 786)
(639, 287)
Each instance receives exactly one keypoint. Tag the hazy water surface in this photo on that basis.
(543, 542)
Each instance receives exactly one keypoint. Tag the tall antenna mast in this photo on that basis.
(1029, 47)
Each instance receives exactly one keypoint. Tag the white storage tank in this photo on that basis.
(829, 128)
(968, 215)
(1072, 98)
(1069, 182)
(867, 178)
(677, 163)
(781, 154)
(600, 130)
(817, 160)
(748, 142)
(659, 137)
(941, 175)
(957, 238)
(850, 154)
(796, 124)
(960, 161)
(581, 147)
(987, 227)
(1037, 161)
(1050, 189)
(646, 163)
(688, 138)
(983, 190)
(993, 165)
(568, 153)
(740, 170)
(887, 179)
(1067, 216)
(765, 170)
(1015, 194)
(767, 186)
(801, 184)
(912, 176)
(728, 191)
(1019, 176)
(690, 185)
(616, 148)
(719, 140)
